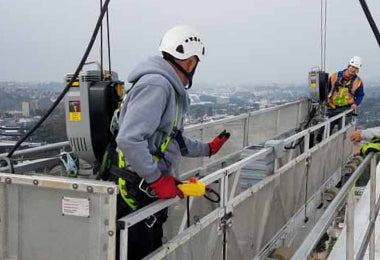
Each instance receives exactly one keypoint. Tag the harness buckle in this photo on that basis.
(159, 154)
(174, 132)
(146, 190)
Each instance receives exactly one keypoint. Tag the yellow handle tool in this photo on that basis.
(193, 187)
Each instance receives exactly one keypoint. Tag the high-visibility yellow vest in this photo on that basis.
(341, 96)
(372, 146)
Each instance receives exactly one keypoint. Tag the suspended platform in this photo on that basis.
(272, 177)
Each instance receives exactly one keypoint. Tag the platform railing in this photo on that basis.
(219, 218)
(227, 180)
(347, 196)
(247, 129)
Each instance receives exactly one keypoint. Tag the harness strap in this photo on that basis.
(164, 145)
(123, 174)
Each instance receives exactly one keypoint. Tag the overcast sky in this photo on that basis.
(246, 40)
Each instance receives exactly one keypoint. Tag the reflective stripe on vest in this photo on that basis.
(372, 146)
(342, 95)
(124, 194)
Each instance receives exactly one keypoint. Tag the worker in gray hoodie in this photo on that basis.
(365, 135)
(150, 141)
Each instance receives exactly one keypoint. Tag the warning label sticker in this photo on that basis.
(313, 79)
(75, 207)
(75, 111)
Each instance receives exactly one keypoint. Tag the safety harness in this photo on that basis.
(127, 180)
(342, 94)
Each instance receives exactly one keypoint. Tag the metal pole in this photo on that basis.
(202, 138)
(298, 115)
(123, 244)
(43, 148)
(370, 20)
(350, 225)
(343, 121)
(277, 121)
(328, 130)
(246, 131)
(307, 142)
(372, 205)
(225, 193)
(222, 187)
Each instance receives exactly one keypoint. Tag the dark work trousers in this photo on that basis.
(338, 122)
(142, 239)
(331, 113)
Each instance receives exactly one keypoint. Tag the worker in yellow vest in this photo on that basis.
(345, 89)
(369, 138)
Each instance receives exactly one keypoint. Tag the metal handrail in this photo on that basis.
(221, 175)
(187, 129)
(316, 127)
(242, 116)
(328, 216)
(369, 236)
(43, 148)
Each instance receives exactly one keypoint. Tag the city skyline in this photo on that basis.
(249, 41)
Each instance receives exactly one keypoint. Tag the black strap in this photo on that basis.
(177, 135)
(188, 75)
(181, 143)
(125, 174)
(212, 191)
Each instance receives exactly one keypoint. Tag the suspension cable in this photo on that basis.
(325, 43)
(321, 34)
(370, 21)
(68, 86)
(101, 44)
(109, 44)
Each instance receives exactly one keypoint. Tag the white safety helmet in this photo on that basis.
(356, 62)
(182, 42)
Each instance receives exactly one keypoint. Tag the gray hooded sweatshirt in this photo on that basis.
(368, 134)
(147, 118)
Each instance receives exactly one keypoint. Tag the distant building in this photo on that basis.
(13, 114)
(207, 98)
(222, 100)
(194, 98)
(25, 109)
(199, 110)
(263, 103)
(34, 106)
(45, 103)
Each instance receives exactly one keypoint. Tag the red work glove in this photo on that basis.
(166, 187)
(218, 142)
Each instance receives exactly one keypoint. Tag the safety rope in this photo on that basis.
(307, 166)
(325, 43)
(209, 198)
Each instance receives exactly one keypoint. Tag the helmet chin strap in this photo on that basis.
(188, 75)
